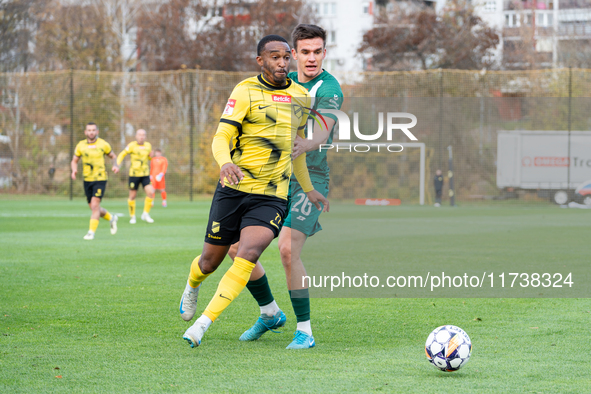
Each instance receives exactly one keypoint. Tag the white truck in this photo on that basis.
(539, 161)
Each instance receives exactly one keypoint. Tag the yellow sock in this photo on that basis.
(232, 283)
(148, 204)
(131, 204)
(93, 225)
(107, 216)
(196, 276)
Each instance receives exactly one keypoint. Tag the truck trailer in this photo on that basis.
(540, 161)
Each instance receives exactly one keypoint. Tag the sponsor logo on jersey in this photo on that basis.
(229, 110)
(317, 117)
(282, 99)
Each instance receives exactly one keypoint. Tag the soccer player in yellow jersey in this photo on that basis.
(92, 150)
(309, 51)
(140, 152)
(262, 117)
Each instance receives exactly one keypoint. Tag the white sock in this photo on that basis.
(206, 321)
(305, 327)
(270, 309)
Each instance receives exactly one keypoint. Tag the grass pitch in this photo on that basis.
(102, 316)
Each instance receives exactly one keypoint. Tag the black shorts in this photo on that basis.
(94, 189)
(232, 210)
(136, 181)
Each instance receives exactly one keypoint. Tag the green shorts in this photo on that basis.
(302, 214)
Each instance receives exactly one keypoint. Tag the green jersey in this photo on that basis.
(328, 95)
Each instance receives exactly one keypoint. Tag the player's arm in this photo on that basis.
(329, 98)
(300, 170)
(165, 167)
(122, 155)
(235, 111)
(113, 157)
(74, 165)
(319, 137)
(163, 170)
(221, 152)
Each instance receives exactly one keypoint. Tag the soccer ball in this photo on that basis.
(448, 348)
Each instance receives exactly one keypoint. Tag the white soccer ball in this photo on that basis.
(448, 348)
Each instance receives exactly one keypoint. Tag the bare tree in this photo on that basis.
(215, 36)
(417, 37)
(17, 29)
(74, 36)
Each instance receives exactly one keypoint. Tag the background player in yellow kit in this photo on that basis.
(93, 150)
(158, 168)
(139, 173)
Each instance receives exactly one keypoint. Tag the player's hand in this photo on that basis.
(115, 169)
(315, 197)
(159, 177)
(232, 173)
(74, 174)
(299, 147)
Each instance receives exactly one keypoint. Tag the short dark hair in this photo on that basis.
(305, 32)
(158, 150)
(267, 39)
(92, 124)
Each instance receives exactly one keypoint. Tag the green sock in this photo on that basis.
(300, 300)
(260, 290)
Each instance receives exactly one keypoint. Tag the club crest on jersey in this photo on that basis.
(215, 227)
(229, 110)
(282, 99)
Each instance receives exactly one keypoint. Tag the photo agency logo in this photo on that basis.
(370, 141)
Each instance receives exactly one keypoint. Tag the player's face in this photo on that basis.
(274, 62)
(91, 132)
(309, 56)
(157, 153)
(140, 136)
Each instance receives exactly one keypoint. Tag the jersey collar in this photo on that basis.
(273, 87)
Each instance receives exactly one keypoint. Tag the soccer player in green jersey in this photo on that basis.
(302, 220)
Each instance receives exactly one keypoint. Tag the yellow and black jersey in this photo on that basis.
(93, 159)
(140, 158)
(262, 121)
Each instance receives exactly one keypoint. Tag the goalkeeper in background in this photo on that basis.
(140, 152)
(158, 167)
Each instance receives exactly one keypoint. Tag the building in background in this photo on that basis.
(534, 33)
(345, 22)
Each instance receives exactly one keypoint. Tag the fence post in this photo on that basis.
(191, 131)
(439, 152)
(450, 175)
(570, 96)
(71, 127)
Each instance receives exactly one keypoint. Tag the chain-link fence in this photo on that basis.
(508, 132)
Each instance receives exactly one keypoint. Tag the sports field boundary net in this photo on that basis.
(42, 117)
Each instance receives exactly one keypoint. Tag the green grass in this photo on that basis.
(106, 312)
